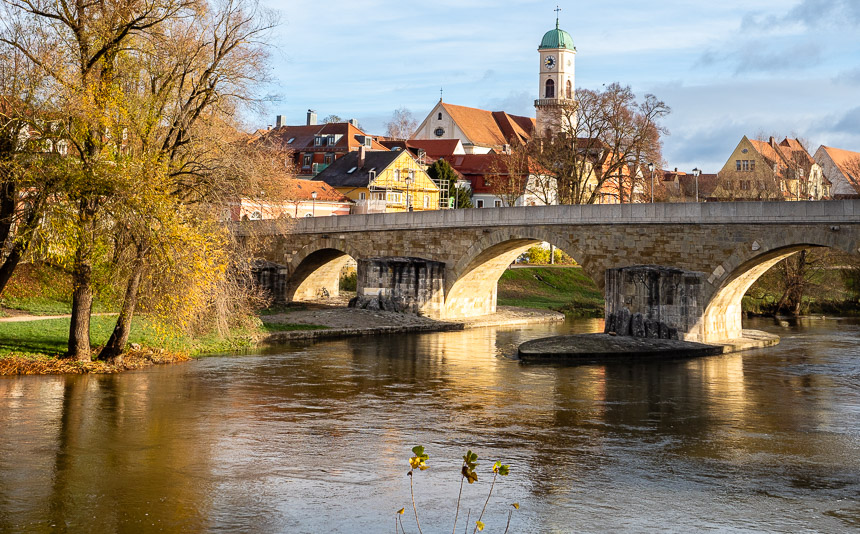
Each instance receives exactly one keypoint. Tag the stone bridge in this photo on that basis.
(446, 264)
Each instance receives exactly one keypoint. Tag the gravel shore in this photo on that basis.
(342, 322)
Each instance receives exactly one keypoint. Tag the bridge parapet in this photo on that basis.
(604, 214)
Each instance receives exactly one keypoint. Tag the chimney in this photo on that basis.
(772, 142)
(312, 117)
(361, 154)
(280, 122)
(354, 122)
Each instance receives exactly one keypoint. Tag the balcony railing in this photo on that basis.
(554, 102)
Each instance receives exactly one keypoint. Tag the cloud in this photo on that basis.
(848, 77)
(758, 57)
(516, 103)
(849, 123)
(808, 14)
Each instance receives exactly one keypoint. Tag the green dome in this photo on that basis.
(557, 38)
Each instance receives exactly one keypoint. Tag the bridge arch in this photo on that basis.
(472, 283)
(722, 317)
(314, 271)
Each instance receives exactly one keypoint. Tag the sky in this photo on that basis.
(727, 69)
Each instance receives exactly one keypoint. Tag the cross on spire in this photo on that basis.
(557, 10)
(440, 94)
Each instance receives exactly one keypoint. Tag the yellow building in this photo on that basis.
(382, 182)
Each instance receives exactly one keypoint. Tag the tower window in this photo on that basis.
(569, 93)
(440, 115)
(550, 89)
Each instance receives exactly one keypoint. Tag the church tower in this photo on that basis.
(556, 88)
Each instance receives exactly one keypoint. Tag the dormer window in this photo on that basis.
(318, 140)
(331, 140)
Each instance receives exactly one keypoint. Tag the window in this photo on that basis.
(746, 165)
(550, 89)
(291, 140)
(306, 161)
(497, 203)
(361, 196)
(479, 203)
(737, 165)
(752, 165)
(256, 215)
(426, 201)
(329, 158)
(439, 132)
(395, 198)
(569, 92)
(318, 141)
(440, 116)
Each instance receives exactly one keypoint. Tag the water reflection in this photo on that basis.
(314, 438)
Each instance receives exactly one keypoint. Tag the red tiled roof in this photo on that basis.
(303, 136)
(848, 163)
(303, 189)
(490, 128)
(434, 148)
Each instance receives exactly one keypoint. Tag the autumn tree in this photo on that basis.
(144, 89)
(603, 135)
(402, 124)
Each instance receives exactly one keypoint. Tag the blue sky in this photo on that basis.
(727, 68)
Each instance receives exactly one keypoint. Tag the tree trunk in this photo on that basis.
(119, 338)
(82, 295)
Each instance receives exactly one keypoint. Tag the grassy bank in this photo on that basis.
(564, 289)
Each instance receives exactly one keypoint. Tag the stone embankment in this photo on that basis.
(347, 322)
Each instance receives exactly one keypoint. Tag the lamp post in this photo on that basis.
(408, 198)
(313, 203)
(651, 168)
(696, 173)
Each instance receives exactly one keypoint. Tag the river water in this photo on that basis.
(316, 438)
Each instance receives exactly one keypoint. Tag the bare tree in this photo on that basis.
(402, 124)
(602, 136)
(509, 175)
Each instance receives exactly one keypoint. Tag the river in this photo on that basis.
(316, 438)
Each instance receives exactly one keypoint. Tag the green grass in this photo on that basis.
(50, 336)
(565, 289)
(40, 289)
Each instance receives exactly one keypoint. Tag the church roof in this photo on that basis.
(557, 38)
(489, 128)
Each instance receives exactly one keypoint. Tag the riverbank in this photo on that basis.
(347, 322)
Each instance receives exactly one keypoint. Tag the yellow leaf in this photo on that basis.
(401, 511)
(516, 505)
(480, 525)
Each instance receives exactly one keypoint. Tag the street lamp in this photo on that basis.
(696, 173)
(651, 168)
(313, 203)
(409, 179)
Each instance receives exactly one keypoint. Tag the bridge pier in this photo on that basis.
(405, 285)
(655, 302)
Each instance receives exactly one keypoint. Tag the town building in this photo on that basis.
(494, 186)
(842, 169)
(767, 170)
(480, 131)
(316, 146)
(382, 181)
(302, 198)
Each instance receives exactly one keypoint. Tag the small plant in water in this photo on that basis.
(468, 473)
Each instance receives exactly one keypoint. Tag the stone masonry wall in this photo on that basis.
(406, 285)
(654, 302)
